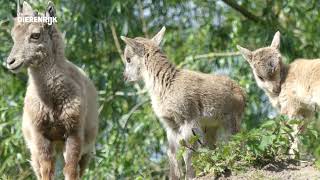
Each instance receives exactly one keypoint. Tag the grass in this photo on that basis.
(269, 143)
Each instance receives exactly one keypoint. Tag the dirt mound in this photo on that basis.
(276, 171)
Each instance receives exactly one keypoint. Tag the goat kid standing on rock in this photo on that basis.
(60, 107)
(186, 102)
(294, 88)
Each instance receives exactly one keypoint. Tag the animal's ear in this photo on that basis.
(137, 47)
(159, 36)
(18, 8)
(51, 10)
(246, 53)
(276, 40)
(26, 9)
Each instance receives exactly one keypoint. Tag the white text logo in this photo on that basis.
(49, 20)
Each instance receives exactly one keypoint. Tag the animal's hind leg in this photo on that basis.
(210, 136)
(83, 163)
(231, 126)
(234, 123)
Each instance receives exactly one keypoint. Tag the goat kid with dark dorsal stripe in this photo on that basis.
(186, 102)
(60, 107)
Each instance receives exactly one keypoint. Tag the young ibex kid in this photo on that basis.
(60, 106)
(186, 102)
(294, 89)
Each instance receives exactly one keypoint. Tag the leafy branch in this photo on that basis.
(134, 109)
(116, 40)
(267, 144)
(144, 24)
(211, 55)
(242, 10)
(249, 15)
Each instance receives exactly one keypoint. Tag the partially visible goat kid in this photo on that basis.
(292, 88)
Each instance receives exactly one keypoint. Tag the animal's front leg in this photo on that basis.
(292, 108)
(188, 131)
(174, 164)
(292, 114)
(42, 157)
(187, 157)
(72, 156)
(294, 146)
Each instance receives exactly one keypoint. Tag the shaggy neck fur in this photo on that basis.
(48, 76)
(159, 73)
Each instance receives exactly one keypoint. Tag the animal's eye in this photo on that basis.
(128, 60)
(261, 78)
(35, 36)
(271, 64)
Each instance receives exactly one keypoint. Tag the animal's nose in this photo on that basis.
(10, 61)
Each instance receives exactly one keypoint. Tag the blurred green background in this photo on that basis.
(131, 141)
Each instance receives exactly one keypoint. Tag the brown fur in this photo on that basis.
(293, 89)
(60, 107)
(186, 102)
